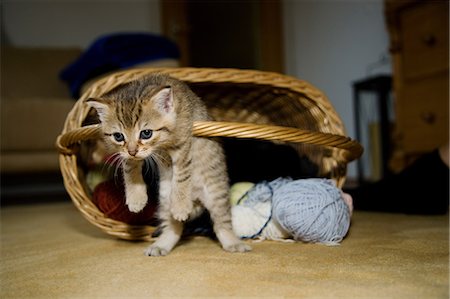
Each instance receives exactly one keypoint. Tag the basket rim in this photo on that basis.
(66, 141)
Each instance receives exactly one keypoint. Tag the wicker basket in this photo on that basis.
(244, 104)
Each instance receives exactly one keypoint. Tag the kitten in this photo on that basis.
(150, 120)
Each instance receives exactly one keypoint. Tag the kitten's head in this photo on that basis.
(137, 119)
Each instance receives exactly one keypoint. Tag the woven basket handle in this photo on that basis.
(353, 149)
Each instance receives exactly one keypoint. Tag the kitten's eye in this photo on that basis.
(118, 137)
(146, 134)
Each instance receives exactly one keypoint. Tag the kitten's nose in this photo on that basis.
(132, 151)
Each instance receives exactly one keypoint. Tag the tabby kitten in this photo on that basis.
(150, 120)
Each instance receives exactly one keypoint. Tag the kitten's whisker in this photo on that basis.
(111, 161)
(149, 165)
(119, 163)
(156, 165)
(107, 165)
(155, 159)
(162, 158)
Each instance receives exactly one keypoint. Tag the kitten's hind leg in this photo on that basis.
(171, 234)
(220, 213)
(229, 241)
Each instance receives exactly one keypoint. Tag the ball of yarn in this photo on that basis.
(238, 191)
(312, 210)
(254, 222)
(109, 196)
(251, 214)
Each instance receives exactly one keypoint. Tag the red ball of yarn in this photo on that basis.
(109, 197)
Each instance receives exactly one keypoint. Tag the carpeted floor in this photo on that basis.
(51, 251)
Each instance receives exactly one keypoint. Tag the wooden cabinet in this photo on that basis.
(419, 37)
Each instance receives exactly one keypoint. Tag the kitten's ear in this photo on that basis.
(164, 99)
(101, 105)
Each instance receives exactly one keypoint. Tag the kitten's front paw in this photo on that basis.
(155, 251)
(238, 247)
(180, 210)
(136, 206)
(137, 200)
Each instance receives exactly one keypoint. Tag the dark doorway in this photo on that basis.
(228, 34)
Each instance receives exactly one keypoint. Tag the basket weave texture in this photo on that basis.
(244, 104)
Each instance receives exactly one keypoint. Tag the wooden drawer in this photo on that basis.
(424, 39)
(423, 115)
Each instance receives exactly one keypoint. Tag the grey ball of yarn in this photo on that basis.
(312, 210)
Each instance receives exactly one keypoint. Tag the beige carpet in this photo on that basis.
(51, 251)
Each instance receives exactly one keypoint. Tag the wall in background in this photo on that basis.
(74, 23)
(331, 44)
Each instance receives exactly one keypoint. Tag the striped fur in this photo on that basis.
(193, 173)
